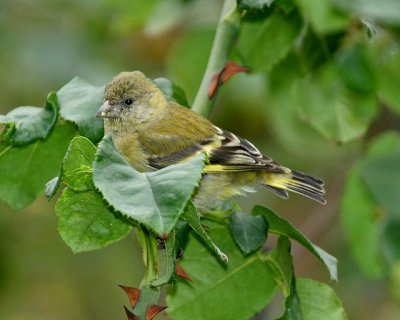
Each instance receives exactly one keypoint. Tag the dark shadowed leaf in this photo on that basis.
(280, 226)
(85, 223)
(235, 291)
(155, 199)
(249, 232)
(356, 69)
(24, 171)
(319, 301)
(31, 123)
(79, 101)
(391, 240)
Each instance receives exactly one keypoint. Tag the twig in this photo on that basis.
(225, 37)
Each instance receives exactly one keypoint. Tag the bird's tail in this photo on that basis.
(306, 185)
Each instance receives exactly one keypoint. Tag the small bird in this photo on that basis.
(152, 132)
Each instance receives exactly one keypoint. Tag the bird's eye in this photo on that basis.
(128, 101)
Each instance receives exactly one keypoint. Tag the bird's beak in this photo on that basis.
(104, 109)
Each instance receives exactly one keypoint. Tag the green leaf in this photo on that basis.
(265, 43)
(336, 113)
(85, 223)
(361, 221)
(77, 164)
(382, 177)
(356, 69)
(281, 264)
(192, 217)
(363, 217)
(25, 171)
(79, 101)
(254, 4)
(388, 73)
(292, 304)
(385, 11)
(319, 301)
(249, 232)
(323, 17)
(172, 91)
(234, 291)
(280, 226)
(31, 123)
(155, 199)
(52, 187)
(391, 241)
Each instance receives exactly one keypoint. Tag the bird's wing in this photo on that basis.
(225, 151)
(238, 154)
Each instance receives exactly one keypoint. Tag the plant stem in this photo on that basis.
(225, 37)
(148, 243)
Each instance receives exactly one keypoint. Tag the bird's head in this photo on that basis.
(130, 96)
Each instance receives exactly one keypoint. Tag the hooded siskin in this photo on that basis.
(152, 132)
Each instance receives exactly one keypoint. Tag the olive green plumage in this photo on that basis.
(152, 132)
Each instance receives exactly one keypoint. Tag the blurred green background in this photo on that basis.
(45, 43)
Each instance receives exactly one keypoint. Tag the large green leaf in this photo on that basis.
(79, 101)
(31, 123)
(265, 43)
(280, 226)
(155, 199)
(234, 291)
(249, 232)
(322, 16)
(85, 223)
(361, 222)
(319, 301)
(336, 113)
(25, 171)
(370, 197)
